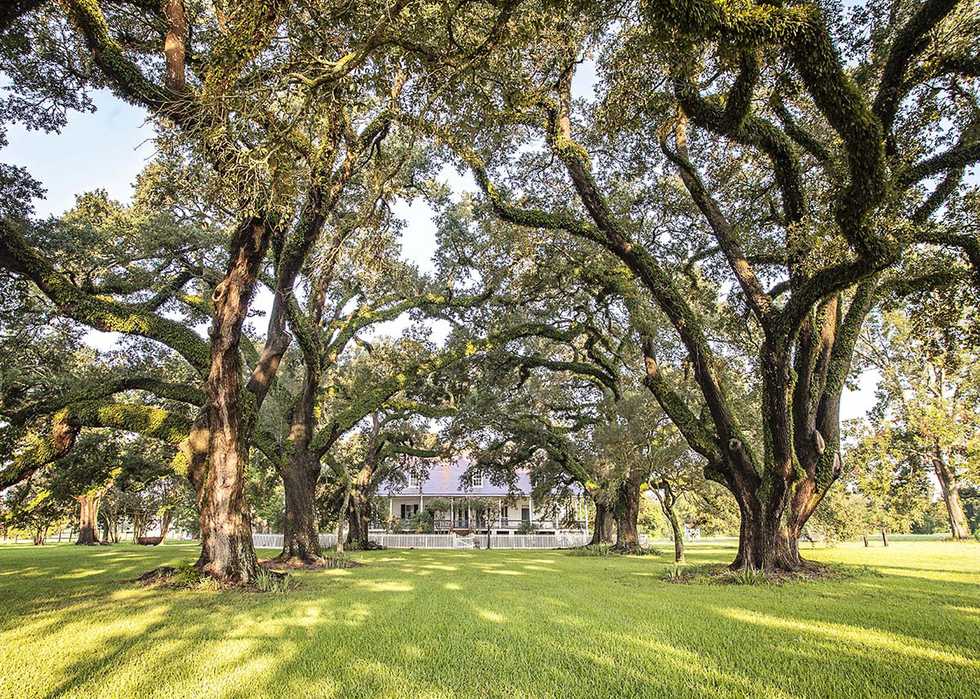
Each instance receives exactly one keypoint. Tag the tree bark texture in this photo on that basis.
(949, 487)
(226, 531)
(88, 518)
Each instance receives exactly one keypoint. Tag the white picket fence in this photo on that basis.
(267, 541)
(274, 541)
(416, 541)
(560, 540)
(447, 541)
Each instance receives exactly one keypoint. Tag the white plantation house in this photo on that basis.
(514, 520)
(512, 512)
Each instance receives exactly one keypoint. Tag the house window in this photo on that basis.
(409, 509)
(477, 480)
(525, 514)
(503, 513)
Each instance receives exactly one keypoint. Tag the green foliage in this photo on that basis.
(438, 505)
(843, 516)
(526, 527)
(895, 488)
(421, 522)
(746, 576)
(271, 581)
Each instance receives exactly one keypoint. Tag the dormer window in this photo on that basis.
(413, 481)
(477, 480)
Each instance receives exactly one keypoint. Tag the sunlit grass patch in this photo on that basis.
(493, 623)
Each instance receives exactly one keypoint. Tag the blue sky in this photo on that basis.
(108, 148)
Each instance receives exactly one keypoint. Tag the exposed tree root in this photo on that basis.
(311, 563)
(633, 550)
(157, 575)
(369, 546)
(190, 577)
(607, 550)
(720, 574)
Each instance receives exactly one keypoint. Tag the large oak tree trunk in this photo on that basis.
(226, 532)
(358, 520)
(958, 526)
(627, 516)
(763, 542)
(301, 540)
(88, 519)
(602, 529)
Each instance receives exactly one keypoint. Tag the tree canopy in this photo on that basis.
(691, 224)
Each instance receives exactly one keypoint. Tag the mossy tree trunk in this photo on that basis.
(628, 515)
(88, 519)
(949, 488)
(604, 526)
(301, 540)
(358, 519)
(226, 531)
(362, 488)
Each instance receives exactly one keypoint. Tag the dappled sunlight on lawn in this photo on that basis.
(84, 573)
(856, 635)
(489, 615)
(489, 623)
(386, 586)
(440, 566)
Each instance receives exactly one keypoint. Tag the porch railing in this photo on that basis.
(446, 525)
(560, 539)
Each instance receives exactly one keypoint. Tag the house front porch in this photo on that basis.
(509, 515)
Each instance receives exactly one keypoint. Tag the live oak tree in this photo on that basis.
(265, 118)
(565, 404)
(894, 486)
(353, 285)
(929, 395)
(762, 175)
(99, 461)
(138, 266)
(145, 54)
(31, 507)
(813, 165)
(541, 406)
(393, 445)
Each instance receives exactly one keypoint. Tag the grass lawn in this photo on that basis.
(497, 623)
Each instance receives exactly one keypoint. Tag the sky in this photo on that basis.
(108, 148)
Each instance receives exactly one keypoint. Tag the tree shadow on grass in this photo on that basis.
(453, 626)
